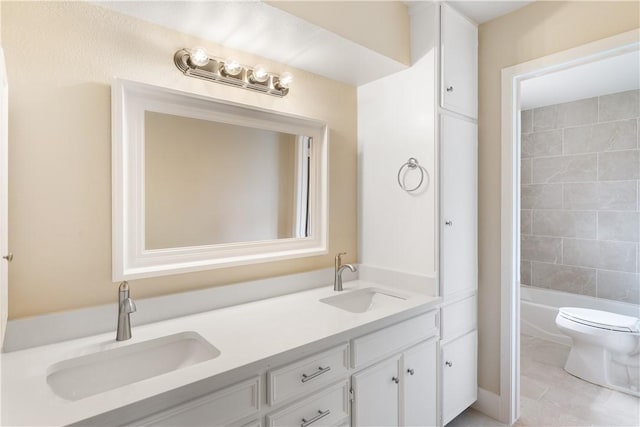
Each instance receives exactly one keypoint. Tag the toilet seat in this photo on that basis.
(601, 319)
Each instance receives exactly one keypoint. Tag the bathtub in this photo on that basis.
(539, 307)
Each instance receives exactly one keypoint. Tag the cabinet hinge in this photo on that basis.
(351, 395)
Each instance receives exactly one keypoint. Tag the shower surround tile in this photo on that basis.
(546, 249)
(619, 165)
(541, 196)
(620, 226)
(618, 256)
(542, 144)
(574, 113)
(601, 196)
(564, 224)
(617, 106)
(580, 198)
(578, 168)
(577, 280)
(619, 286)
(622, 135)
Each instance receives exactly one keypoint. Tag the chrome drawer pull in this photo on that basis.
(411, 371)
(320, 415)
(317, 373)
(395, 380)
(449, 364)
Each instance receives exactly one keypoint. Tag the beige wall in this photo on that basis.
(382, 26)
(534, 31)
(61, 57)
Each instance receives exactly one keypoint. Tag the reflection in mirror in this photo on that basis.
(208, 182)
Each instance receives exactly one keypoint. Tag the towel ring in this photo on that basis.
(412, 163)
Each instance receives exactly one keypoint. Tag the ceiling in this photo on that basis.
(484, 11)
(614, 74)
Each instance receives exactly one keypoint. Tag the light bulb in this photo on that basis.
(259, 74)
(286, 79)
(232, 67)
(199, 57)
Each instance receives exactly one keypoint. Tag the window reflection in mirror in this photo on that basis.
(211, 183)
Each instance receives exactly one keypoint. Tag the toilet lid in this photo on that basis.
(601, 319)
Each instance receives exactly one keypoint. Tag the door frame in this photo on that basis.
(510, 198)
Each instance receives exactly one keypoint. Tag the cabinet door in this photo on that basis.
(420, 385)
(376, 394)
(459, 58)
(458, 256)
(459, 375)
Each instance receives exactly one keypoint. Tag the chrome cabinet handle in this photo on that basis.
(8, 257)
(449, 364)
(395, 380)
(410, 371)
(320, 415)
(450, 89)
(449, 223)
(317, 373)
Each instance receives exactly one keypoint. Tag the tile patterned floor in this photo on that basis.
(551, 397)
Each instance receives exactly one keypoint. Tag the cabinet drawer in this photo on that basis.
(307, 374)
(327, 407)
(220, 408)
(459, 318)
(388, 341)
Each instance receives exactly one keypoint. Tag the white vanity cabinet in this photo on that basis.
(400, 390)
(458, 62)
(224, 407)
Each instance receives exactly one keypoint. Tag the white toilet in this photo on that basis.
(605, 347)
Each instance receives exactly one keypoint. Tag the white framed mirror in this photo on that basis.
(200, 183)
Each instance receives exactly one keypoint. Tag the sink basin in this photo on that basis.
(85, 376)
(362, 300)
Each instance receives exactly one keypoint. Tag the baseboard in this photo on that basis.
(488, 403)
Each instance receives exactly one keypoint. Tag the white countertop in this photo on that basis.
(244, 334)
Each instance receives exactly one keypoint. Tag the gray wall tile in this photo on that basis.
(621, 226)
(525, 272)
(546, 249)
(622, 105)
(545, 118)
(580, 176)
(579, 112)
(547, 143)
(525, 221)
(622, 135)
(565, 224)
(541, 196)
(618, 256)
(619, 286)
(525, 171)
(619, 195)
(619, 165)
(526, 121)
(579, 168)
(577, 280)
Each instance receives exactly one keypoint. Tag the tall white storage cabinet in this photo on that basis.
(427, 112)
(458, 212)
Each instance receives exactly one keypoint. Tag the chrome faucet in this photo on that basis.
(126, 306)
(338, 269)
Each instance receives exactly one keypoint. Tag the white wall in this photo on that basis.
(396, 121)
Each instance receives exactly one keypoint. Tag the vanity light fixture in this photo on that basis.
(198, 63)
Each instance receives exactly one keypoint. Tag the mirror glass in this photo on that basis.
(209, 182)
(201, 183)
